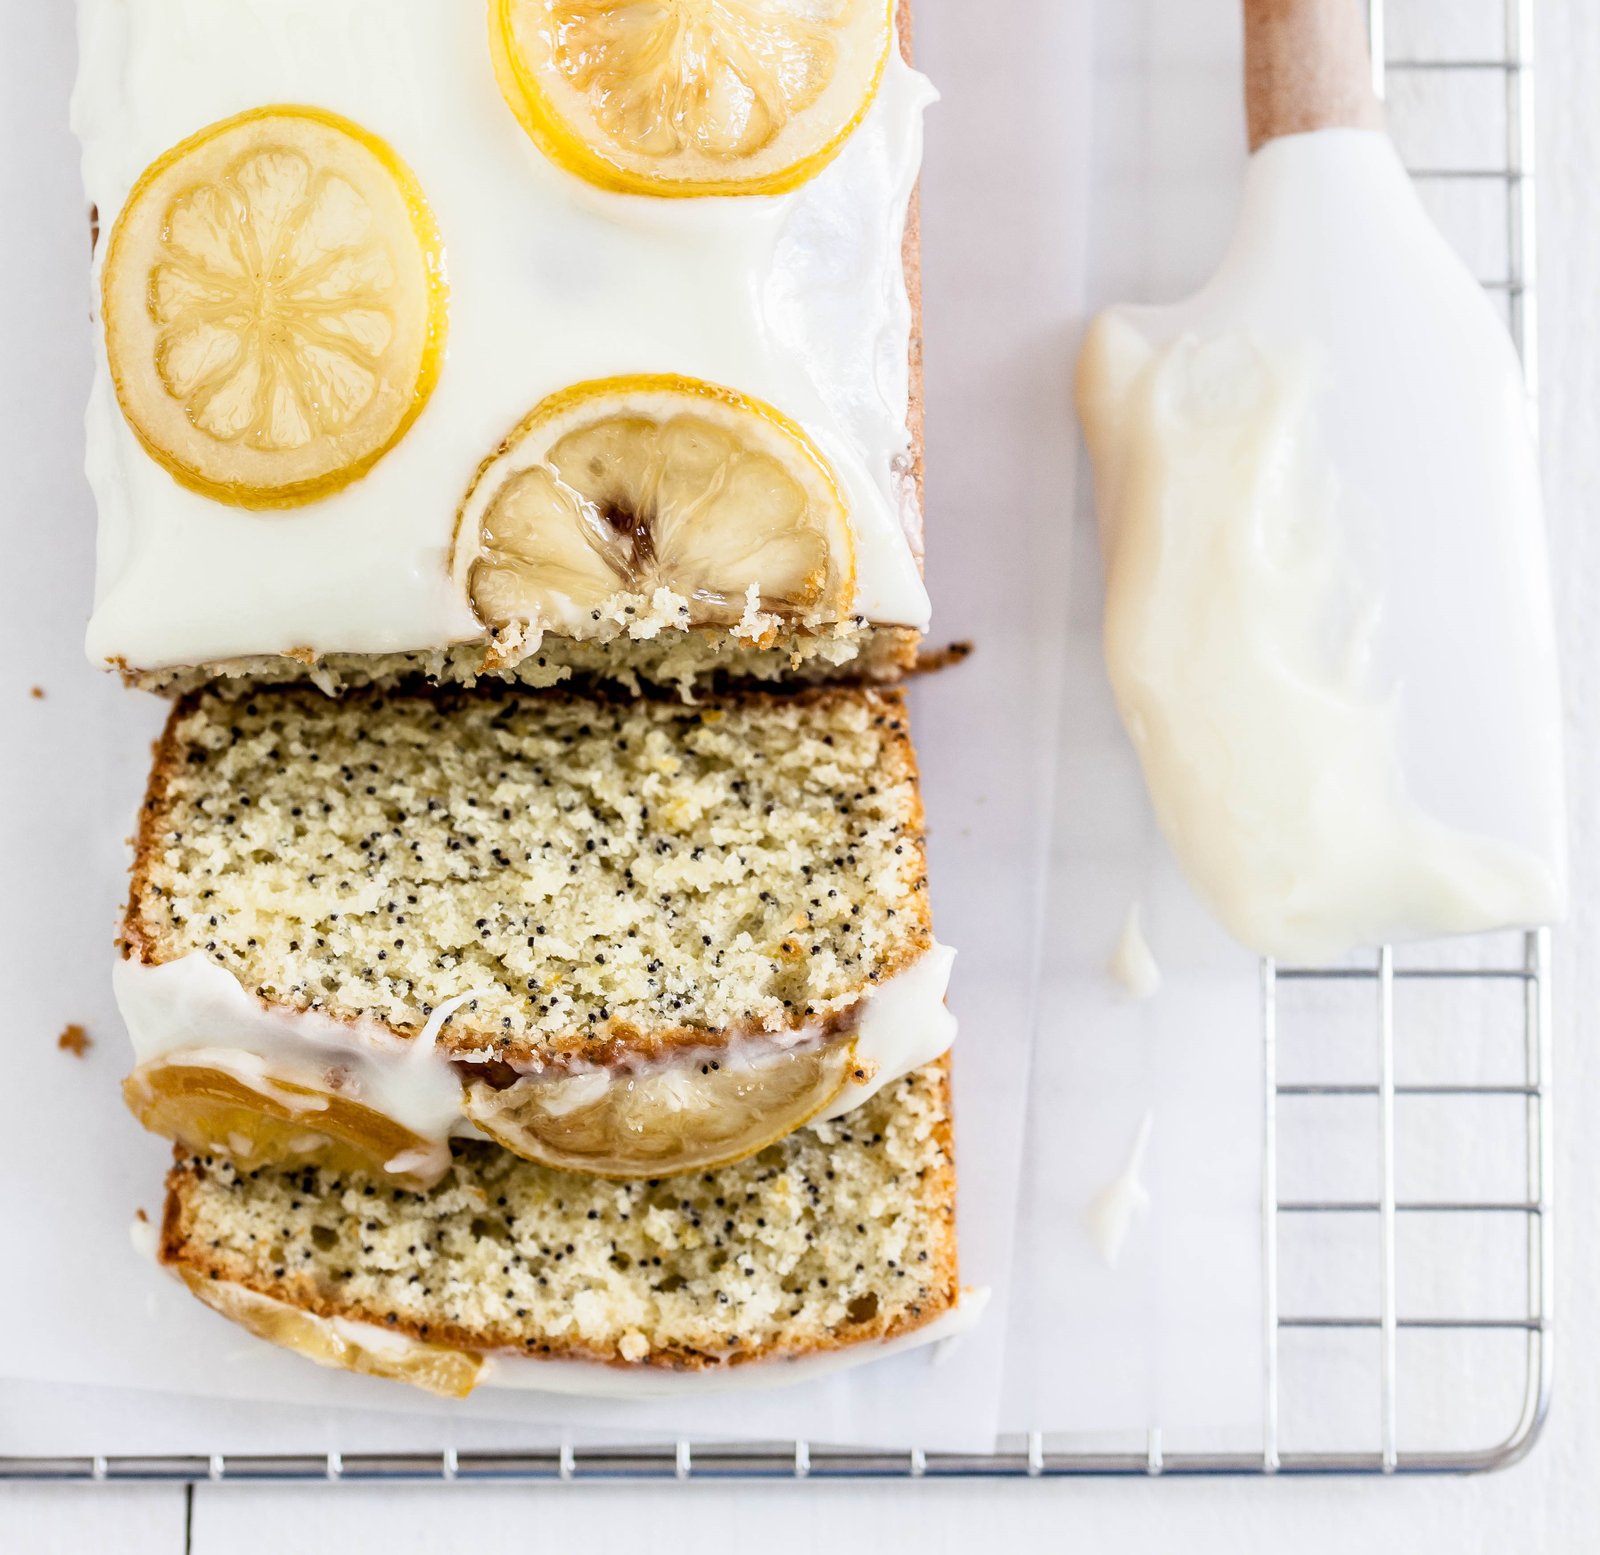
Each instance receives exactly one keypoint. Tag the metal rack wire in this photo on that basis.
(1527, 1051)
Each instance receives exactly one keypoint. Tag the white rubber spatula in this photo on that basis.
(1328, 624)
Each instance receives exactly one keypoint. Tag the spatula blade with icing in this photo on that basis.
(1328, 623)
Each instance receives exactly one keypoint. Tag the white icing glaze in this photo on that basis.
(1133, 963)
(1111, 1212)
(145, 1237)
(798, 299)
(905, 1025)
(1327, 616)
(193, 1011)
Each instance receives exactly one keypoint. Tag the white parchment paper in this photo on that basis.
(1170, 1336)
(1002, 218)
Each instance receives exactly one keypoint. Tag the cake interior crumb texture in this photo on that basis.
(608, 873)
(843, 1232)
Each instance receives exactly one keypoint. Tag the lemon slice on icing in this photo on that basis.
(274, 306)
(686, 97)
(685, 1115)
(211, 1112)
(618, 488)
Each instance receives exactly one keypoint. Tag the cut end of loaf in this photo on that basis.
(841, 1235)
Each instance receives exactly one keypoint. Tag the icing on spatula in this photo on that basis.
(1328, 625)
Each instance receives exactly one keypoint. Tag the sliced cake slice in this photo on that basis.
(622, 937)
(832, 1245)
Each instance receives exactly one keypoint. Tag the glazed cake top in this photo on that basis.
(797, 299)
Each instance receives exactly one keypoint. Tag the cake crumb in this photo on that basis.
(36, 692)
(931, 660)
(75, 1040)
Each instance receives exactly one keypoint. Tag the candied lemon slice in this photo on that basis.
(274, 306)
(434, 1367)
(625, 486)
(685, 97)
(276, 1123)
(683, 1115)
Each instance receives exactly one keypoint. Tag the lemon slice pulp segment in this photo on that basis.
(274, 306)
(434, 1367)
(684, 1115)
(621, 487)
(687, 97)
(207, 1110)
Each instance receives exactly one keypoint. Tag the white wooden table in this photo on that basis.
(1550, 1503)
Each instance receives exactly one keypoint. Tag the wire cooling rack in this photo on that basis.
(1506, 996)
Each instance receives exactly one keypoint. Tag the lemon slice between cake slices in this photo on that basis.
(434, 1367)
(691, 97)
(274, 306)
(678, 1116)
(280, 1123)
(620, 488)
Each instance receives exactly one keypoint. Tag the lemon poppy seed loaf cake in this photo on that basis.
(528, 949)
(668, 441)
(626, 936)
(839, 1237)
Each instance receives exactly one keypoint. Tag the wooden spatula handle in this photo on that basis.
(1306, 67)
